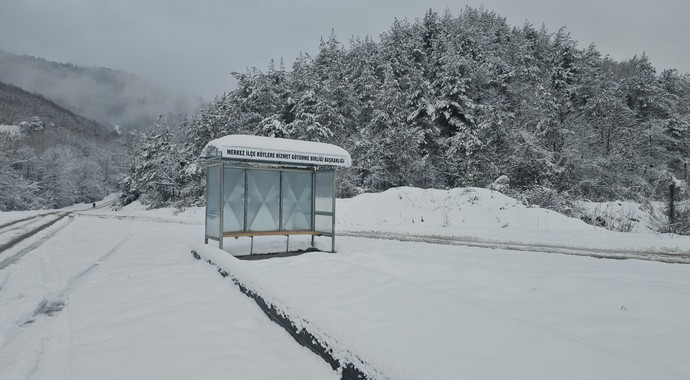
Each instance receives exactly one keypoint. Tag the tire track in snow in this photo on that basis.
(17, 239)
(25, 219)
(81, 276)
(27, 345)
(599, 253)
(12, 225)
(143, 219)
(17, 256)
(53, 305)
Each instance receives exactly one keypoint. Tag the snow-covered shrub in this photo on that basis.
(129, 194)
(544, 197)
(614, 216)
(501, 183)
(681, 219)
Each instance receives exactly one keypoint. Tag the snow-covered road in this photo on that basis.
(113, 299)
(664, 254)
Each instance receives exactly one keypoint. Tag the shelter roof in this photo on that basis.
(276, 150)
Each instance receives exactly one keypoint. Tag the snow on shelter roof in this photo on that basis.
(276, 150)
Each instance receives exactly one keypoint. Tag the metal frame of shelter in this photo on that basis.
(246, 197)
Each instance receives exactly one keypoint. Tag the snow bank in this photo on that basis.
(455, 210)
(343, 343)
(482, 215)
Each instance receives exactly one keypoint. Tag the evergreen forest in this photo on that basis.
(449, 100)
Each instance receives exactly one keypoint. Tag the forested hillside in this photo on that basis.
(450, 100)
(51, 157)
(17, 106)
(113, 98)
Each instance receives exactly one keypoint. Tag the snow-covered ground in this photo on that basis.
(123, 299)
(12, 130)
(116, 294)
(460, 312)
(480, 215)
(10, 216)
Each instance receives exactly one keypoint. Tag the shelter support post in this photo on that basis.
(221, 194)
(333, 217)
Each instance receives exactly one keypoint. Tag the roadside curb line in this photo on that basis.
(348, 371)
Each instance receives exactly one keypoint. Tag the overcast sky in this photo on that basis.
(193, 46)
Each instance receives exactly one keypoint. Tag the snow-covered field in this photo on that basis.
(459, 312)
(116, 294)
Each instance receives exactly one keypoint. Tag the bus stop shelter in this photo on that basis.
(263, 186)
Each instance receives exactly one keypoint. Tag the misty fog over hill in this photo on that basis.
(18, 107)
(112, 98)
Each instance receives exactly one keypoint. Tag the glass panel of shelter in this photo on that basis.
(233, 199)
(213, 202)
(324, 191)
(324, 200)
(263, 200)
(297, 201)
(256, 200)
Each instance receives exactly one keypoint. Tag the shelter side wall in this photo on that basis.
(213, 206)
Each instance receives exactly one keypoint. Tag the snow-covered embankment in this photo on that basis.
(344, 348)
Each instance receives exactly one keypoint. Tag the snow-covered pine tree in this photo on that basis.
(19, 192)
(393, 154)
(157, 172)
(487, 99)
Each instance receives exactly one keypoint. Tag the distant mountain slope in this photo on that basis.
(18, 106)
(112, 98)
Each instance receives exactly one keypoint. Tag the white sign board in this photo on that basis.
(275, 150)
